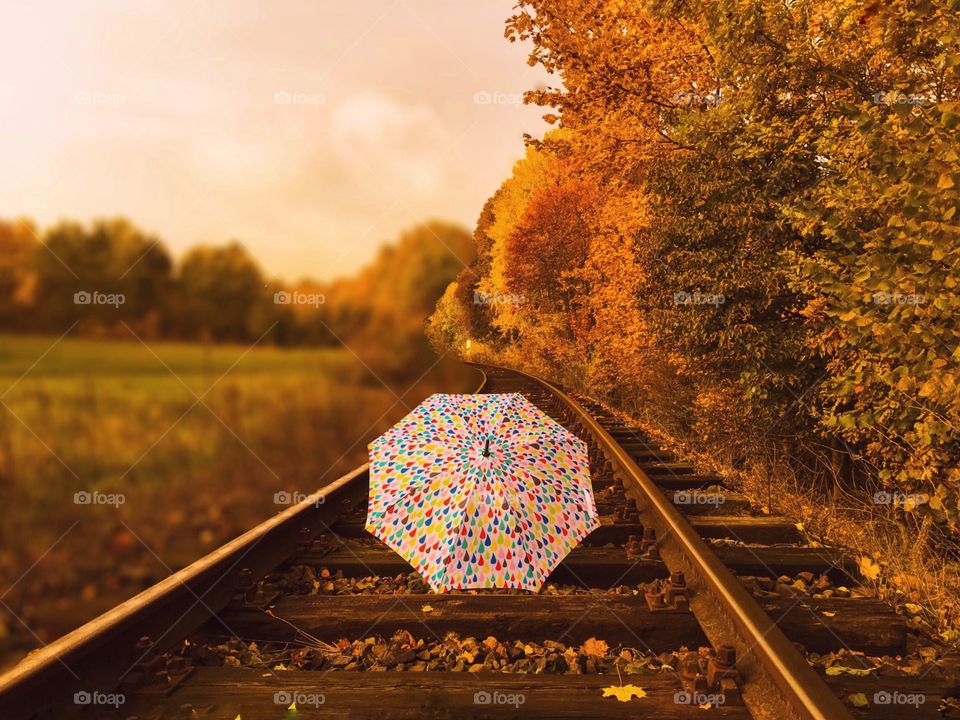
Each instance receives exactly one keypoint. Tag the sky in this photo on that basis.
(311, 131)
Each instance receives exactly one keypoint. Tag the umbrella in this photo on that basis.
(478, 491)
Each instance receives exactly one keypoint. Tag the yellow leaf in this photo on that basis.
(624, 693)
(596, 648)
(293, 706)
(868, 568)
(945, 182)
(427, 608)
(858, 700)
(828, 613)
(841, 670)
(799, 526)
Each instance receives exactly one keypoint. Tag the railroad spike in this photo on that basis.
(245, 579)
(677, 591)
(648, 546)
(251, 594)
(723, 678)
(146, 669)
(305, 540)
(670, 594)
(691, 674)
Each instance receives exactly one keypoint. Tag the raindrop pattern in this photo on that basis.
(480, 491)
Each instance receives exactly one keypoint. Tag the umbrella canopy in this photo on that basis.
(479, 491)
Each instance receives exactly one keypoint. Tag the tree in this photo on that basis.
(218, 290)
(100, 276)
(772, 247)
(18, 245)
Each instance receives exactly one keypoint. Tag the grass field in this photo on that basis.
(178, 447)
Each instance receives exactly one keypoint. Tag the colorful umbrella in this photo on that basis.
(478, 491)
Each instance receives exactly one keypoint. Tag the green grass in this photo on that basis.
(94, 408)
(73, 359)
(116, 416)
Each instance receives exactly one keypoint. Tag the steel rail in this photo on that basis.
(96, 655)
(99, 653)
(804, 691)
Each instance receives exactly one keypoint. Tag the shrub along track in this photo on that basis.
(285, 613)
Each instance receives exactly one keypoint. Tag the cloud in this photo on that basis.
(398, 145)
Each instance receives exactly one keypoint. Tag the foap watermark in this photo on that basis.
(885, 298)
(282, 497)
(298, 97)
(894, 97)
(884, 497)
(299, 298)
(499, 698)
(698, 298)
(695, 497)
(83, 497)
(99, 99)
(682, 697)
(885, 697)
(289, 697)
(498, 298)
(95, 297)
(495, 97)
(84, 697)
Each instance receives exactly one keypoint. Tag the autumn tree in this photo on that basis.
(18, 246)
(111, 260)
(217, 291)
(770, 253)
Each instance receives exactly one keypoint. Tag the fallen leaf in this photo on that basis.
(427, 609)
(858, 700)
(828, 613)
(595, 648)
(868, 568)
(624, 693)
(841, 670)
(293, 706)
(799, 526)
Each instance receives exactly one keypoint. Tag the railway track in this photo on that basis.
(684, 591)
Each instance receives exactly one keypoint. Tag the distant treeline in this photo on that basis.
(111, 278)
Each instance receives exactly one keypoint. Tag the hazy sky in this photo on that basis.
(311, 131)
